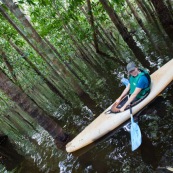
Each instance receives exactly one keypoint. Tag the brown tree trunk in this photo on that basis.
(93, 26)
(125, 34)
(42, 55)
(47, 81)
(164, 17)
(18, 96)
(150, 15)
(169, 5)
(9, 66)
(144, 11)
(98, 32)
(95, 31)
(138, 19)
(141, 24)
(42, 46)
(111, 47)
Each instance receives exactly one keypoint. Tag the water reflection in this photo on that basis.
(112, 153)
(148, 152)
(9, 157)
(109, 154)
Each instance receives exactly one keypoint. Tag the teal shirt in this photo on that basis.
(140, 81)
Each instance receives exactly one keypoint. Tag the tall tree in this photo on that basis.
(95, 31)
(40, 44)
(125, 34)
(150, 15)
(9, 66)
(141, 24)
(164, 16)
(46, 80)
(104, 35)
(26, 104)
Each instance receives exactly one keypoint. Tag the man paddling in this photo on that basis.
(138, 87)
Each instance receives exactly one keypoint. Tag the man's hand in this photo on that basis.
(122, 109)
(118, 100)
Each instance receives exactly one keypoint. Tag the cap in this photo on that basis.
(130, 66)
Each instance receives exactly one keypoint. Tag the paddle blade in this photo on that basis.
(136, 137)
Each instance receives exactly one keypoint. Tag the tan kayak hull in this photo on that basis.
(105, 123)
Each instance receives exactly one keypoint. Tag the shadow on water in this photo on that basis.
(12, 160)
(112, 153)
(8, 155)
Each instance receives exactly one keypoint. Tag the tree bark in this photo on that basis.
(47, 81)
(93, 26)
(150, 15)
(18, 96)
(9, 66)
(42, 46)
(164, 17)
(141, 24)
(111, 47)
(125, 34)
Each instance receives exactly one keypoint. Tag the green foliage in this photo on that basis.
(29, 2)
(68, 29)
(73, 4)
(119, 2)
(44, 2)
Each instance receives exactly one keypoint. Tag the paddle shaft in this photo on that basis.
(131, 115)
(130, 109)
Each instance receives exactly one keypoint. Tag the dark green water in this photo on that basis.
(36, 151)
(111, 153)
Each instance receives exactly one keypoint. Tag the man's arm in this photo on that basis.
(126, 90)
(131, 98)
(124, 93)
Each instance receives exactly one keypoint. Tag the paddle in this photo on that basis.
(135, 133)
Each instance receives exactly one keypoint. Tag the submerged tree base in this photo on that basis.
(61, 142)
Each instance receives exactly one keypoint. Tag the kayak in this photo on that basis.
(105, 122)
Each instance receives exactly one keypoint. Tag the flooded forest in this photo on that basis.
(61, 64)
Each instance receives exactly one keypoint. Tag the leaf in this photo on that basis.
(30, 2)
(21, 2)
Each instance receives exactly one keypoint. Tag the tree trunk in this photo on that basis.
(9, 66)
(95, 31)
(98, 32)
(42, 46)
(169, 5)
(141, 24)
(47, 81)
(111, 47)
(42, 55)
(93, 26)
(18, 96)
(164, 17)
(150, 15)
(144, 11)
(126, 35)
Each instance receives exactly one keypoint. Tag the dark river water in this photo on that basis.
(113, 152)
(110, 154)
(36, 152)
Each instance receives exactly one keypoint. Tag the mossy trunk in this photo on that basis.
(18, 96)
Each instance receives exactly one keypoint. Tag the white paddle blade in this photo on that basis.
(136, 137)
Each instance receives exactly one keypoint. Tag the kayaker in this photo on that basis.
(138, 87)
